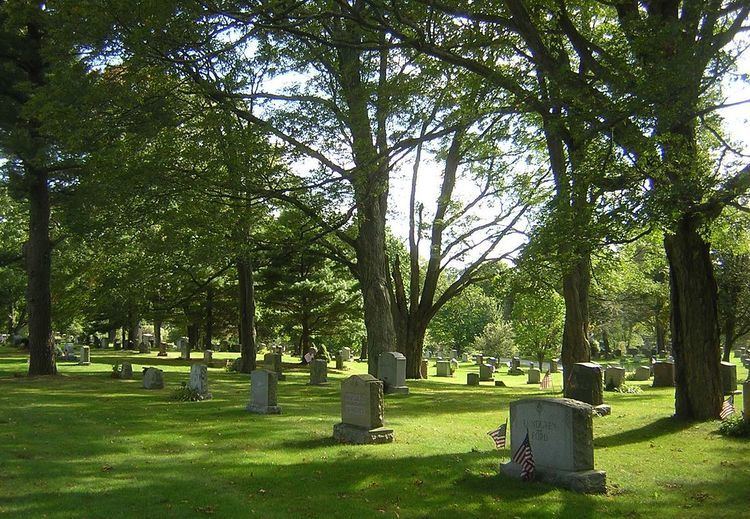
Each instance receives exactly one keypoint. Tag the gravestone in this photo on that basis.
(340, 360)
(480, 359)
(562, 442)
(535, 376)
(198, 380)
(184, 350)
(464, 357)
(737, 353)
(443, 368)
(126, 371)
(485, 372)
(614, 377)
(69, 349)
(263, 393)
(663, 374)
(492, 361)
(86, 356)
(728, 372)
(454, 366)
(362, 412)
(515, 367)
(454, 354)
(208, 356)
(318, 372)
(472, 379)
(553, 365)
(424, 367)
(392, 371)
(586, 383)
(153, 378)
(272, 362)
(346, 353)
(104, 343)
(642, 373)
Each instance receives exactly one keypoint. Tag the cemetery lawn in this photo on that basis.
(83, 444)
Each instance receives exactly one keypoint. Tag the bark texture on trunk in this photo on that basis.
(38, 253)
(248, 348)
(208, 342)
(162, 347)
(575, 342)
(694, 323)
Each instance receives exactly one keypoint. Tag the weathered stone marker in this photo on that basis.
(464, 357)
(515, 367)
(153, 378)
(318, 372)
(443, 368)
(272, 362)
(184, 349)
(208, 356)
(362, 412)
(392, 371)
(85, 356)
(586, 383)
(126, 371)
(454, 366)
(198, 380)
(553, 365)
(480, 359)
(424, 368)
(562, 442)
(346, 353)
(454, 354)
(642, 373)
(339, 360)
(472, 379)
(535, 376)
(614, 377)
(263, 393)
(663, 374)
(485, 372)
(727, 370)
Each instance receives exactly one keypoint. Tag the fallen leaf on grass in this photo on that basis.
(208, 510)
(106, 468)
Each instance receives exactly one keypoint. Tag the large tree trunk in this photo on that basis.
(248, 347)
(373, 279)
(694, 323)
(208, 342)
(157, 339)
(575, 342)
(305, 340)
(412, 350)
(38, 270)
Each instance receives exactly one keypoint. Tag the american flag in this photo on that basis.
(499, 435)
(525, 458)
(727, 408)
(546, 382)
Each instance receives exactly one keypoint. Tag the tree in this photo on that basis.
(537, 319)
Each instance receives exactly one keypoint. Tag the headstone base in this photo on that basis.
(264, 409)
(585, 482)
(515, 371)
(500, 383)
(346, 433)
(161, 354)
(396, 390)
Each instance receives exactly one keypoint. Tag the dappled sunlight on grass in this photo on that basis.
(84, 437)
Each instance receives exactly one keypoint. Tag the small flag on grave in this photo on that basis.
(499, 435)
(727, 408)
(546, 382)
(525, 458)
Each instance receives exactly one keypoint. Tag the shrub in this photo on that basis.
(630, 390)
(735, 426)
(186, 394)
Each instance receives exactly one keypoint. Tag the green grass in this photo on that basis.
(85, 445)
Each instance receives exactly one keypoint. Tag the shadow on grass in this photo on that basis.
(660, 427)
